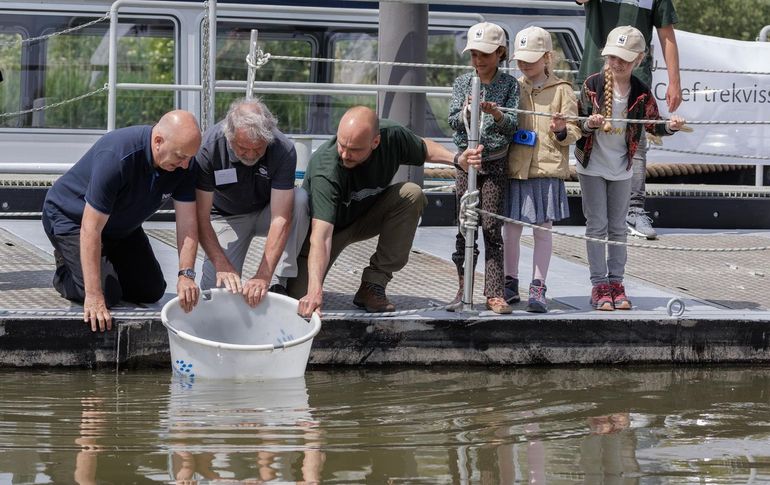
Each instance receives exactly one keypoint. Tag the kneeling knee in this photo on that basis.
(414, 194)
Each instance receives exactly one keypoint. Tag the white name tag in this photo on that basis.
(225, 176)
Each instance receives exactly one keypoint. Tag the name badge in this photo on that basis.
(225, 176)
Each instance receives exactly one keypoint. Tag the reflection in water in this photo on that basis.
(265, 422)
(572, 426)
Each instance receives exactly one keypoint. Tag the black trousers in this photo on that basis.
(129, 269)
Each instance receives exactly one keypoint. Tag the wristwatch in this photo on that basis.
(456, 161)
(187, 273)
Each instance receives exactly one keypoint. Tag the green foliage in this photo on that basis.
(291, 110)
(731, 19)
(10, 88)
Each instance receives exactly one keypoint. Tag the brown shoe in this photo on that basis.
(372, 297)
(498, 305)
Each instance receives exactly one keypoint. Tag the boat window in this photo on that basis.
(61, 67)
(444, 47)
(10, 87)
(292, 110)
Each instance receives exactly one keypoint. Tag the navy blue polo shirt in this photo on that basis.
(251, 190)
(116, 177)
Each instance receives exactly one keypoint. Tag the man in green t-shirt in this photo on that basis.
(601, 17)
(351, 199)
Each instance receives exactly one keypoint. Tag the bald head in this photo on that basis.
(175, 140)
(357, 135)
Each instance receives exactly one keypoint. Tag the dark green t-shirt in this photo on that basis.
(339, 195)
(604, 15)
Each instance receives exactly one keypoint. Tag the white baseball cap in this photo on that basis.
(625, 42)
(485, 37)
(531, 43)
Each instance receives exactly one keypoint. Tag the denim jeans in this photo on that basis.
(605, 205)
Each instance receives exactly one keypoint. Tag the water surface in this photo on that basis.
(529, 425)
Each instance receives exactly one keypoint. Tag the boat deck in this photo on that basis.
(726, 297)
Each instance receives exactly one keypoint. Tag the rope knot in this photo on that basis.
(259, 60)
(469, 217)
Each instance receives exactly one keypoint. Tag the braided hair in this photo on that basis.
(607, 126)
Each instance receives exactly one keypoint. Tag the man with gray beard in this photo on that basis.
(246, 174)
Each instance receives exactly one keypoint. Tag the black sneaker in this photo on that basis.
(278, 289)
(511, 290)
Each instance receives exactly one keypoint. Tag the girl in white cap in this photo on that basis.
(487, 45)
(605, 158)
(538, 162)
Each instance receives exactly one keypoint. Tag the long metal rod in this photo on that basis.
(301, 87)
(159, 87)
(252, 72)
(470, 232)
(112, 67)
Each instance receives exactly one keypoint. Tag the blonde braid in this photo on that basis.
(607, 126)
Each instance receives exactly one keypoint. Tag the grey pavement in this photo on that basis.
(568, 285)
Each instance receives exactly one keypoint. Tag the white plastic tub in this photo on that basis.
(223, 337)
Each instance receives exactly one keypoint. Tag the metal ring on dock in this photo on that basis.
(675, 307)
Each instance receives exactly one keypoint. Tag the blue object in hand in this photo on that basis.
(525, 137)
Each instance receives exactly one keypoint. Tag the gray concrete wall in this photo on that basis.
(28, 342)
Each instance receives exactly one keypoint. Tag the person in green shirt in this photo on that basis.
(348, 180)
(601, 17)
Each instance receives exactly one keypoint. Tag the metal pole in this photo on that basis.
(112, 68)
(403, 37)
(252, 72)
(212, 60)
(470, 233)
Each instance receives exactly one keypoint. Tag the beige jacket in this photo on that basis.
(550, 156)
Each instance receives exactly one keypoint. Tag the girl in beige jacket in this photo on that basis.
(538, 162)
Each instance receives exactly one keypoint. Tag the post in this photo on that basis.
(112, 69)
(403, 37)
(470, 233)
(252, 72)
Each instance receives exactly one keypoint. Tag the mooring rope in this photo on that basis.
(55, 105)
(54, 34)
(620, 243)
(262, 58)
(637, 121)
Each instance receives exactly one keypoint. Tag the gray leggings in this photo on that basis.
(605, 205)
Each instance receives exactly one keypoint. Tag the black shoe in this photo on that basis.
(511, 290)
(278, 289)
(372, 297)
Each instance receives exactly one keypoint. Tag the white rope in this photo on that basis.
(399, 313)
(54, 105)
(442, 188)
(620, 243)
(716, 71)
(122, 314)
(468, 216)
(634, 121)
(54, 34)
(263, 58)
(711, 154)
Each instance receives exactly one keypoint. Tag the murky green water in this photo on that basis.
(562, 426)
